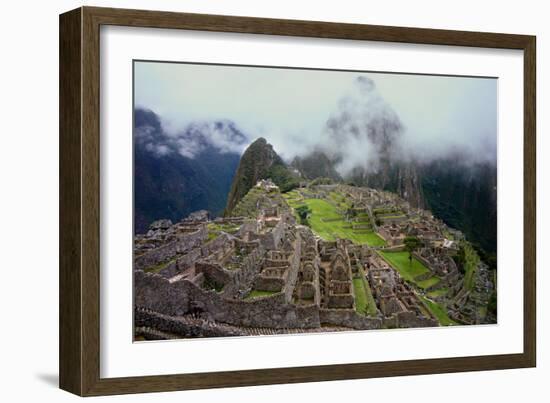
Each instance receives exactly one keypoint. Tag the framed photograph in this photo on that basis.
(248, 201)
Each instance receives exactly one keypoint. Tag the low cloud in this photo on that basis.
(354, 116)
(195, 138)
(362, 130)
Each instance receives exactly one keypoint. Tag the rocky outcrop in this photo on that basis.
(259, 161)
(316, 165)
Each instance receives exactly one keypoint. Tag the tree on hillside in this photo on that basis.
(303, 212)
(321, 181)
(351, 213)
(412, 243)
(460, 259)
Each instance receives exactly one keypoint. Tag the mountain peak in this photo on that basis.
(260, 141)
(259, 161)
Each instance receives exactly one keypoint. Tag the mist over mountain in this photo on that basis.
(175, 175)
(367, 144)
(316, 165)
(364, 140)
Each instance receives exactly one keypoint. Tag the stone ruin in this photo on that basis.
(272, 276)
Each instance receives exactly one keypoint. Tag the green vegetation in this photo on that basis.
(326, 222)
(336, 197)
(321, 181)
(158, 267)
(259, 294)
(256, 199)
(400, 262)
(489, 258)
(283, 177)
(303, 212)
(470, 263)
(411, 244)
(247, 206)
(492, 305)
(293, 198)
(390, 217)
(371, 303)
(438, 311)
(211, 284)
(364, 301)
(362, 217)
(316, 165)
(259, 161)
(464, 199)
(340, 201)
(409, 270)
(360, 296)
(215, 229)
(424, 284)
(386, 210)
(438, 293)
(387, 213)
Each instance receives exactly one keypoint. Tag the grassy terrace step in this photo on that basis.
(326, 222)
(438, 293)
(438, 311)
(360, 296)
(470, 265)
(391, 217)
(259, 294)
(157, 268)
(364, 301)
(409, 270)
(371, 303)
(248, 206)
(214, 229)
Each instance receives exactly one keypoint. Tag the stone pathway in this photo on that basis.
(223, 329)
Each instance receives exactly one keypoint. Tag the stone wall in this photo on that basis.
(348, 318)
(294, 263)
(155, 292)
(166, 252)
(392, 219)
(409, 319)
(223, 240)
(340, 301)
(247, 227)
(181, 264)
(272, 312)
(273, 284)
(180, 297)
(395, 248)
(271, 239)
(215, 274)
(182, 327)
(251, 266)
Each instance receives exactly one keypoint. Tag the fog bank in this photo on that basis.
(355, 115)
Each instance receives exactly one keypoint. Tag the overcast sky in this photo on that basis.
(290, 107)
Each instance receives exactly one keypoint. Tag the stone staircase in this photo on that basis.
(156, 326)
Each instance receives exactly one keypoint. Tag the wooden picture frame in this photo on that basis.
(79, 280)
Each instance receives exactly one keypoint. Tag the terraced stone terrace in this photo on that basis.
(328, 220)
(410, 270)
